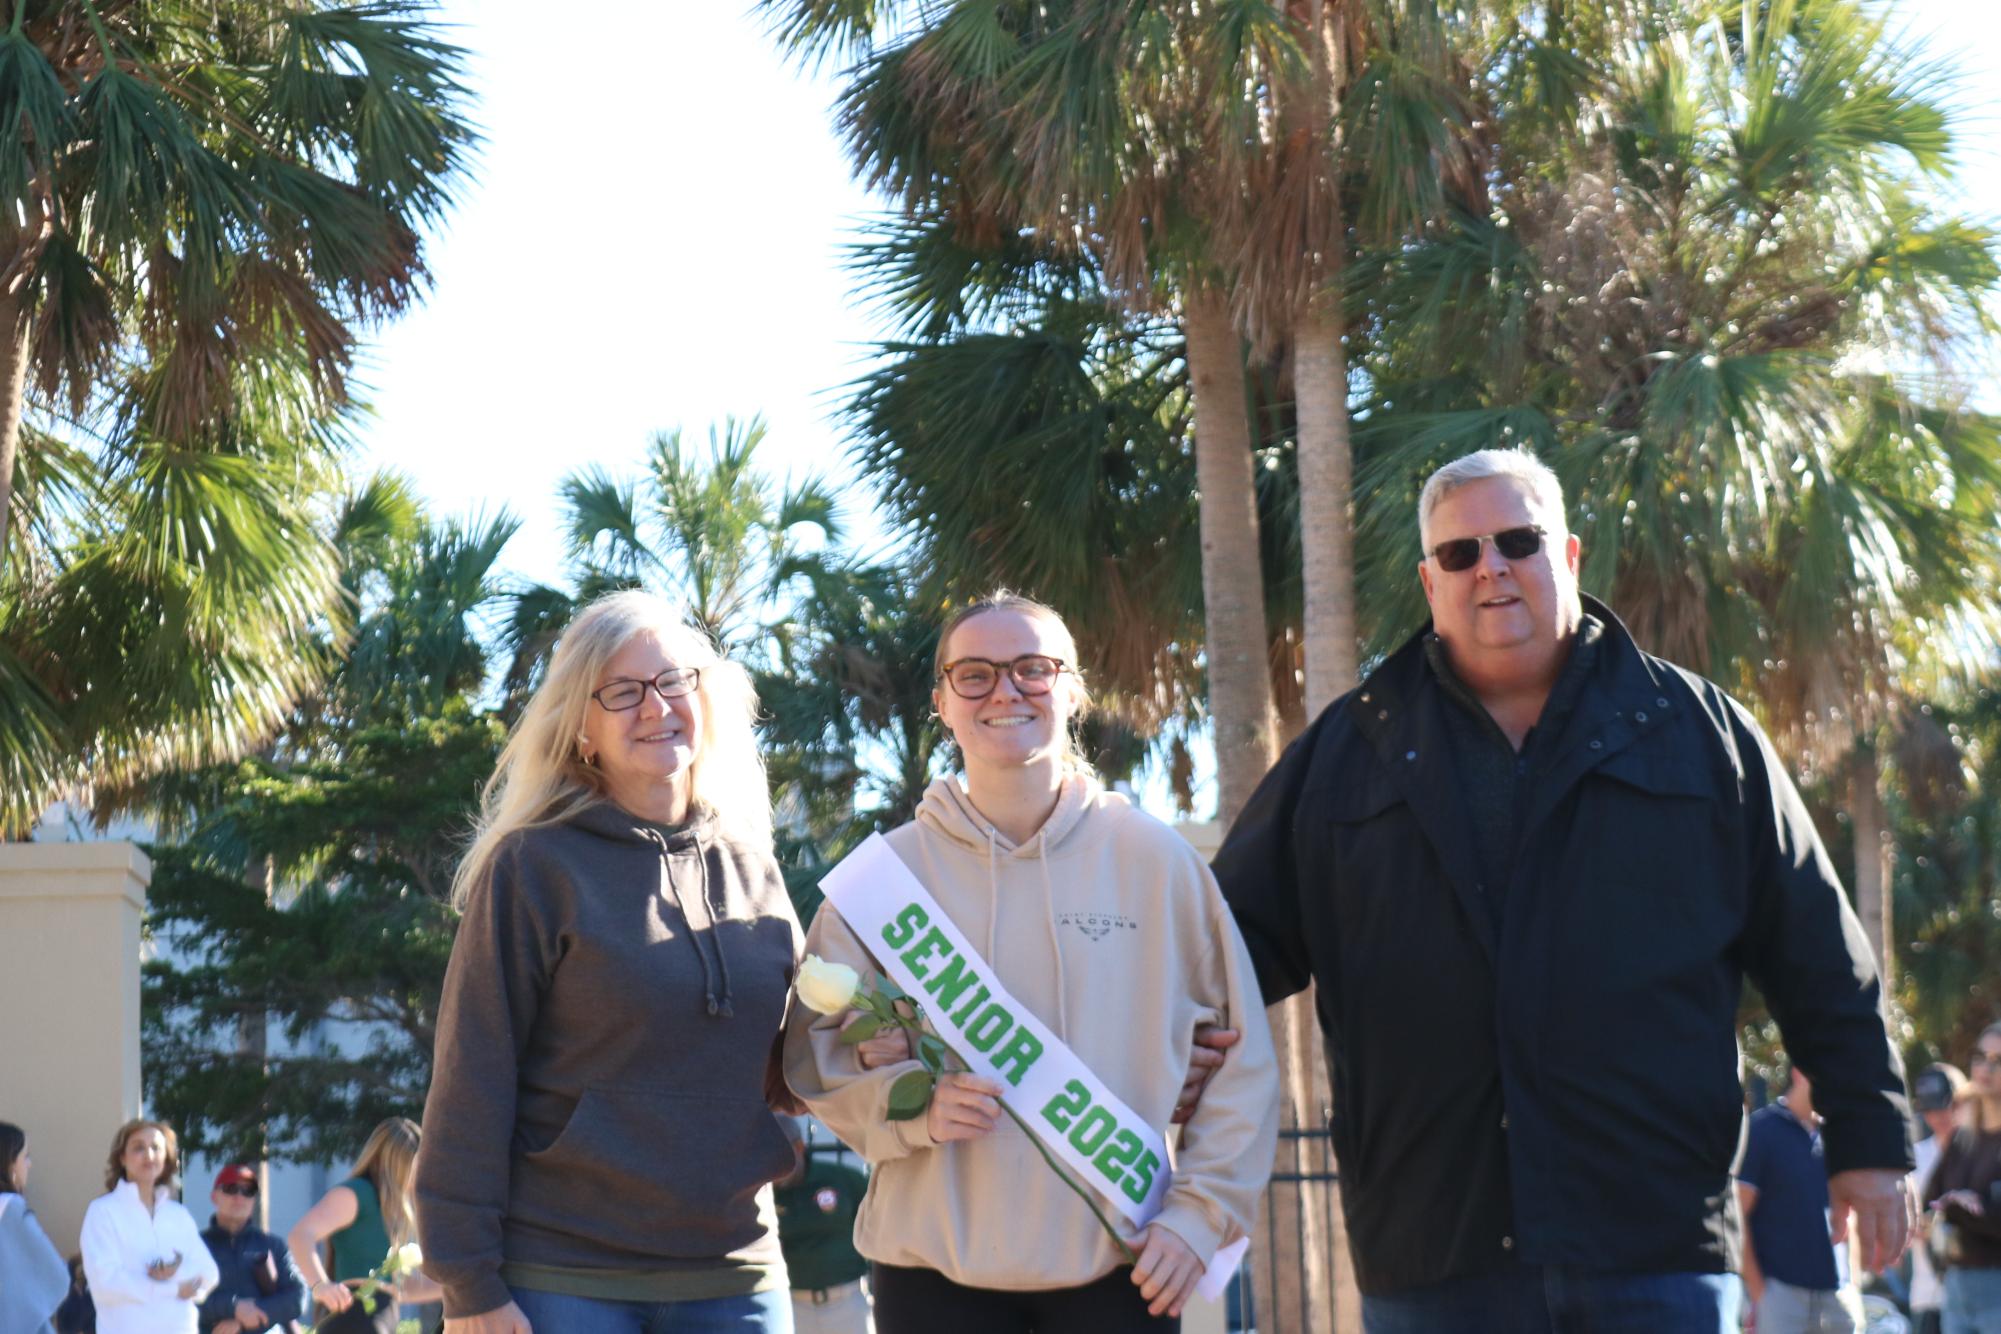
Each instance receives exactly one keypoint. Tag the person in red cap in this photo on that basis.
(261, 1288)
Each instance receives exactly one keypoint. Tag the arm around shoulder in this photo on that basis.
(1225, 1156)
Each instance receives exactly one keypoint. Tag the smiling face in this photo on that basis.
(144, 1157)
(1008, 730)
(1503, 620)
(645, 753)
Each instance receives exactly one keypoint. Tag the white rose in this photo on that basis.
(828, 988)
(407, 1258)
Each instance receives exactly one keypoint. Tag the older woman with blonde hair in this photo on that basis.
(599, 1140)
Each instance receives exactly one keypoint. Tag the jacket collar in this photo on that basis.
(1624, 680)
(1399, 710)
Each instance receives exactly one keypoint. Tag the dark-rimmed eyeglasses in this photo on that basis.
(246, 1189)
(975, 678)
(1463, 553)
(1992, 1058)
(624, 695)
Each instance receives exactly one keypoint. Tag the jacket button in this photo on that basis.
(1507, 1243)
(1661, 703)
(1504, 1120)
(1597, 744)
(1640, 716)
(1410, 754)
(1365, 697)
(1382, 714)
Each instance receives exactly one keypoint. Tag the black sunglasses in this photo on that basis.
(976, 678)
(1463, 553)
(243, 1188)
(624, 695)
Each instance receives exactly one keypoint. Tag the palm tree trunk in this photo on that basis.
(13, 386)
(1233, 600)
(1874, 856)
(1326, 494)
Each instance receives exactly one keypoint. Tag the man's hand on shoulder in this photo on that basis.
(1873, 1208)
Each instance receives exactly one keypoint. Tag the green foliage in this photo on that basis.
(221, 182)
(210, 200)
(167, 602)
(1719, 304)
(310, 883)
(363, 847)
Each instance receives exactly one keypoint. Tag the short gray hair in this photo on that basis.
(1545, 491)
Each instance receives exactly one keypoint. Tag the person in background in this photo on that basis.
(1965, 1190)
(142, 1251)
(260, 1287)
(1937, 1094)
(362, 1220)
(816, 1228)
(1798, 1279)
(77, 1314)
(32, 1277)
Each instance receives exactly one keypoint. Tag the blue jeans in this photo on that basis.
(1556, 1299)
(754, 1313)
(1972, 1301)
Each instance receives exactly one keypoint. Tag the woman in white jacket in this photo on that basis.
(142, 1252)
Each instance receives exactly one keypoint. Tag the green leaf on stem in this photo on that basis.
(862, 1029)
(910, 1095)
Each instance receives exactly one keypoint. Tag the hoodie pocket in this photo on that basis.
(654, 1173)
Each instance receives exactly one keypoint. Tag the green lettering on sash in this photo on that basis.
(951, 981)
(914, 957)
(1020, 1052)
(905, 927)
(979, 999)
(986, 1030)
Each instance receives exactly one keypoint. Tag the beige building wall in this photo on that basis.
(70, 917)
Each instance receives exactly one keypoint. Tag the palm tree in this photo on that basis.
(207, 185)
(1719, 304)
(169, 602)
(711, 530)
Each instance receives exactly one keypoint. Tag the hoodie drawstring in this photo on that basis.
(716, 930)
(993, 896)
(715, 1007)
(1055, 937)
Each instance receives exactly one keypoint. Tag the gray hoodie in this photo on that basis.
(608, 1019)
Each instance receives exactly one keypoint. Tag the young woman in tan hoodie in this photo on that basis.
(1107, 924)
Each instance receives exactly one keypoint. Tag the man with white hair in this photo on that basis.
(1529, 866)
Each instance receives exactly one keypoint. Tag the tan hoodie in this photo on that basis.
(1108, 926)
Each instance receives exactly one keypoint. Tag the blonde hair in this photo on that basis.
(541, 777)
(388, 1161)
(115, 1168)
(1002, 599)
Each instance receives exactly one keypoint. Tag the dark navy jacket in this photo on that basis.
(239, 1258)
(1556, 1083)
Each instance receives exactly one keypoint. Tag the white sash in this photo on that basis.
(1109, 1147)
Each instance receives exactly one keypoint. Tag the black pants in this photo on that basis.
(924, 1301)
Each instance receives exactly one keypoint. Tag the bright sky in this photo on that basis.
(655, 237)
